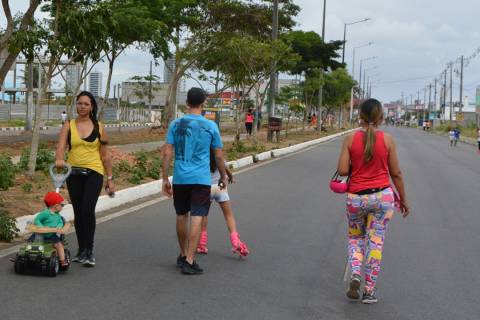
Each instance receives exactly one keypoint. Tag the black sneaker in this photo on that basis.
(89, 259)
(193, 268)
(353, 292)
(181, 260)
(369, 298)
(81, 256)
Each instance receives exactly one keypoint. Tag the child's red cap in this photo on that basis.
(53, 198)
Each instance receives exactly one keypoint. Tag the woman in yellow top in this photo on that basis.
(90, 160)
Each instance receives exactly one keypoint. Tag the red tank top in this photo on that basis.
(249, 118)
(372, 174)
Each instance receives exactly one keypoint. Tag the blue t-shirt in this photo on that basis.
(192, 137)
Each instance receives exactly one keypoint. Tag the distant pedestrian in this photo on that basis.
(370, 157)
(249, 122)
(192, 136)
(64, 117)
(424, 125)
(223, 199)
(451, 136)
(90, 159)
(314, 121)
(457, 136)
(478, 138)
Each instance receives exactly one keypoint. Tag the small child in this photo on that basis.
(51, 224)
(451, 135)
(223, 199)
(457, 136)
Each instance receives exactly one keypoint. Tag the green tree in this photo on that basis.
(63, 34)
(16, 27)
(337, 89)
(144, 23)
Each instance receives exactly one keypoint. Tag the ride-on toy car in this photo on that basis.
(39, 256)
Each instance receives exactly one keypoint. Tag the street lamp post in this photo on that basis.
(353, 60)
(345, 35)
(320, 91)
(364, 76)
(361, 63)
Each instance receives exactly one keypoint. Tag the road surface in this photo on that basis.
(296, 231)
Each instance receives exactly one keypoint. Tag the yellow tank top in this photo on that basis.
(84, 154)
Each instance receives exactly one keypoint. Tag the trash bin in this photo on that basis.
(274, 124)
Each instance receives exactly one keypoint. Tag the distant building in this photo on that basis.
(95, 83)
(168, 69)
(72, 77)
(137, 92)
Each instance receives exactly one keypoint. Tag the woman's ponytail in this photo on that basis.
(370, 138)
(370, 112)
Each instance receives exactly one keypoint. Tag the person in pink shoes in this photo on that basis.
(223, 199)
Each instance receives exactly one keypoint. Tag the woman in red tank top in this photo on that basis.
(370, 157)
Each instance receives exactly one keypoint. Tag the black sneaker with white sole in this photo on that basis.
(90, 259)
(181, 260)
(369, 298)
(191, 269)
(353, 292)
(80, 256)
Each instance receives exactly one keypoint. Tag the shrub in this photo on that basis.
(8, 226)
(154, 168)
(120, 167)
(7, 172)
(27, 187)
(45, 158)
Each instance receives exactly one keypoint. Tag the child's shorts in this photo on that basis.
(49, 239)
(218, 195)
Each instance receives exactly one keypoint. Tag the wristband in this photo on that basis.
(110, 178)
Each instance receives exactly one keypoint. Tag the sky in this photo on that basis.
(413, 41)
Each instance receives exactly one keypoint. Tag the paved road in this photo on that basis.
(296, 230)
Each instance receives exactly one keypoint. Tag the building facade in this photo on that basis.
(95, 83)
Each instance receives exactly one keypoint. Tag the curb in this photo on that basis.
(124, 124)
(125, 196)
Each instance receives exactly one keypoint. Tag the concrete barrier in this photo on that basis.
(262, 156)
(243, 162)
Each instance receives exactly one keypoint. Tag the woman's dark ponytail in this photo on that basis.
(372, 114)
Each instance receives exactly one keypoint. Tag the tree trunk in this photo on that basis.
(172, 96)
(32, 161)
(111, 61)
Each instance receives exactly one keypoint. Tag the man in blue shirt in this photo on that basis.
(191, 137)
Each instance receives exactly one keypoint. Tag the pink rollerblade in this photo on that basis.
(202, 244)
(238, 246)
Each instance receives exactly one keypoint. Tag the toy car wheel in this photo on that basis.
(53, 266)
(19, 266)
(68, 260)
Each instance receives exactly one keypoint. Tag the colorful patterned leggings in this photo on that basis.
(368, 217)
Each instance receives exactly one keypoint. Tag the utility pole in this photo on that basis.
(445, 93)
(435, 97)
(451, 96)
(424, 100)
(320, 91)
(461, 85)
(273, 73)
(429, 100)
(150, 92)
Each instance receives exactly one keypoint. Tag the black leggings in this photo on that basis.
(248, 127)
(84, 191)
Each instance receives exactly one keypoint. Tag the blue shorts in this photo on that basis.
(48, 239)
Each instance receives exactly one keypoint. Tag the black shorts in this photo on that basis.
(193, 198)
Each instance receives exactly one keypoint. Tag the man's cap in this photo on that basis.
(52, 198)
(196, 96)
